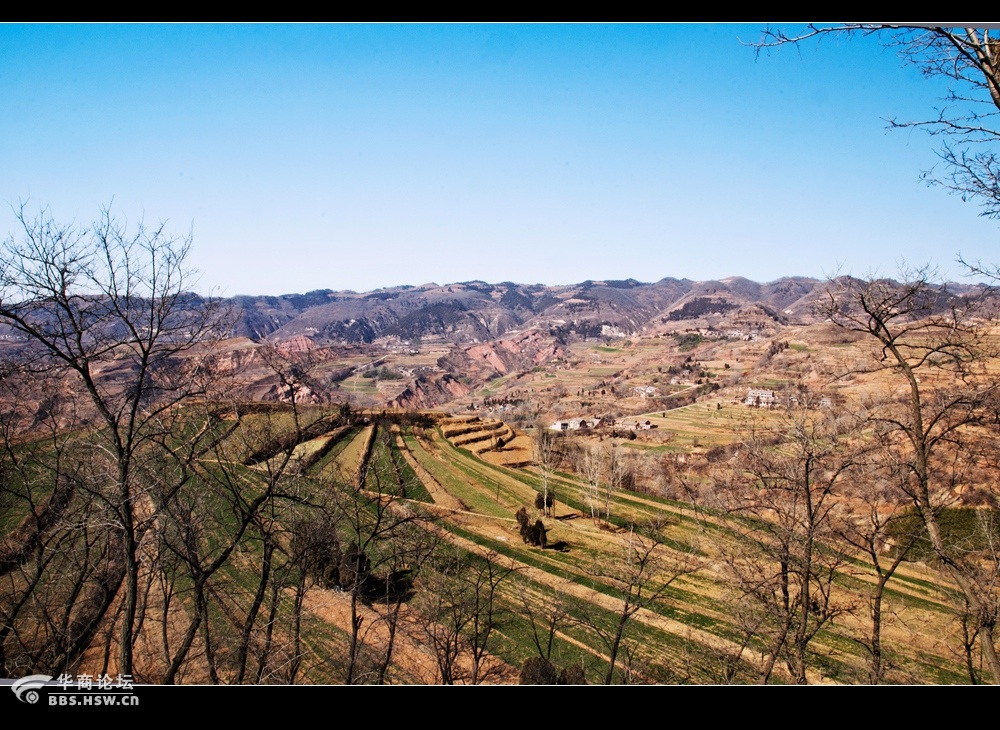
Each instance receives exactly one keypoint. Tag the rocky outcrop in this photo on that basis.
(430, 391)
(515, 352)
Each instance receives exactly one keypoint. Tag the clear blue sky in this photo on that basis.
(360, 156)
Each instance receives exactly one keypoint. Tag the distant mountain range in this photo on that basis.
(472, 312)
(475, 311)
(437, 344)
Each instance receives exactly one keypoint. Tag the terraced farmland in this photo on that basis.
(391, 541)
(690, 633)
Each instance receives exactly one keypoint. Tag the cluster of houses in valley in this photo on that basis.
(755, 398)
(711, 333)
(584, 424)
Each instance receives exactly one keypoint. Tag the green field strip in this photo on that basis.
(577, 572)
(512, 492)
(333, 455)
(410, 484)
(638, 633)
(453, 482)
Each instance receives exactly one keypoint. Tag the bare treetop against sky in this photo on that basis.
(363, 156)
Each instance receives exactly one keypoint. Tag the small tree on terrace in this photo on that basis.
(591, 465)
(545, 460)
(533, 534)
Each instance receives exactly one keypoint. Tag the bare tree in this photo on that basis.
(545, 459)
(936, 348)
(382, 535)
(483, 580)
(606, 471)
(108, 310)
(547, 614)
(970, 617)
(618, 476)
(638, 576)
(591, 465)
(460, 604)
(233, 508)
(411, 546)
(868, 520)
(784, 486)
(46, 567)
(443, 610)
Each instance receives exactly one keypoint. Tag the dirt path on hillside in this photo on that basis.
(413, 662)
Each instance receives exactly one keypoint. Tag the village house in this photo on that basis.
(575, 424)
(644, 391)
(760, 398)
(632, 424)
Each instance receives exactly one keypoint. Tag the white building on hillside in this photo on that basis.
(760, 398)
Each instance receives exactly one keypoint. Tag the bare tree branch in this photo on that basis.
(968, 59)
